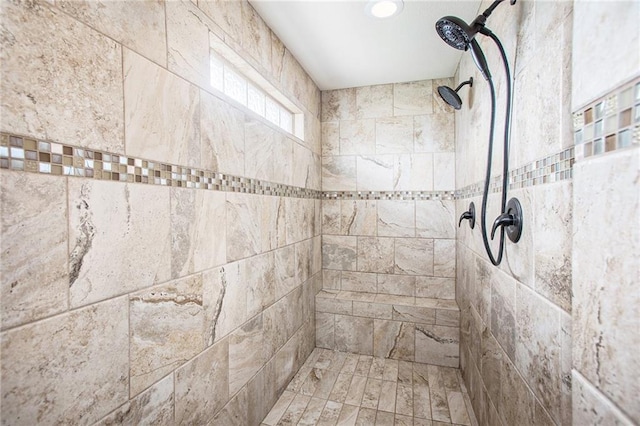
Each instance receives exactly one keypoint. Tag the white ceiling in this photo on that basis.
(340, 46)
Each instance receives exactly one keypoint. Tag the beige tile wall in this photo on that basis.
(130, 303)
(515, 341)
(386, 254)
(606, 304)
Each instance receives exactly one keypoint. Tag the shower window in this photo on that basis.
(233, 76)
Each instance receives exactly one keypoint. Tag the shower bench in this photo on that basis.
(398, 327)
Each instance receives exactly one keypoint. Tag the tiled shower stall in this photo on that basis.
(169, 256)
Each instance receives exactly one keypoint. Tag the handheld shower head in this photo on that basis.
(451, 96)
(480, 59)
(455, 32)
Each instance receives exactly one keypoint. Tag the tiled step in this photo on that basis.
(383, 306)
(397, 327)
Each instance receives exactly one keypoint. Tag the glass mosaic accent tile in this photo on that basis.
(554, 168)
(388, 195)
(31, 155)
(608, 123)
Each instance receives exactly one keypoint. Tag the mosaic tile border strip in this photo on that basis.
(21, 153)
(36, 156)
(609, 123)
(388, 195)
(554, 168)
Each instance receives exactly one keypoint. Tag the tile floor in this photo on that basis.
(337, 388)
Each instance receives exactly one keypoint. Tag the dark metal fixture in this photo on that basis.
(511, 220)
(451, 96)
(469, 215)
(459, 35)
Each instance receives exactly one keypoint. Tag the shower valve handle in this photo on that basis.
(469, 215)
(505, 219)
(511, 220)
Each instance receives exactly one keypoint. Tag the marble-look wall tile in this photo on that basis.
(331, 217)
(358, 137)
(167, 330)
(516, 403)
(538, 348)
(339, 105)
(331, 138)
(202, 385)
(197, 242)
(225, 300)
(503, 312)
(444, 264)
(188, 31)
(435, 219)
(605, 276)
(339, 252)
(258, 274)
(284, 271)
(353, 334)
(297, 168)
(591, 66)
(412, 98)
(162, 113)
(591, 407)
(106, 220)
(437, 345)
(244, 236)
(401, 285)
(235, 412)
(245, 353)
(491, 365)
(436, 287)
(325, 330)
(33, 267)
(375, 254)
(261, 392)
(331, 279)
(414, 256)
(334, 306)
(139, 26)
(565, 368)
(396, 218)
(256, 37)
(281, 321)
(62, 81)
(259, 143)
(358, 281)
(434, 133)
(415, 314)
(153, 406)
(62, 352)
(394, 339)
(375, 173)
(374, 101)
(226, 14)
(222, 133)
(394, 135)
(339, 173)
(413, 172)
(552, 243)
(444, 168)
(358, 217)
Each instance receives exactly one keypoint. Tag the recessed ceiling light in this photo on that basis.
(384, 8)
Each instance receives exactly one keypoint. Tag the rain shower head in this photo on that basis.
(451, 96)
